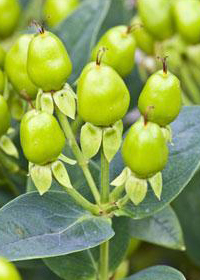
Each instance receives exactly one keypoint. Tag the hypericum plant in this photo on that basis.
(94, 181)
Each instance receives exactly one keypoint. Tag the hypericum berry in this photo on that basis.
(162, 91)
(41, 137)
(144, 149)
(103, 97)
(187, 19)
(57, 10)
(121, 49)
(9, 16)
(2, 81)
(157, 17)
(142, 37)
(8, 270)
(4, 116)
(48, 62)
(16, 67)
(2, 57)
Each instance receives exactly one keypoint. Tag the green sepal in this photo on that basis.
(67, 160)
(121, 179)
(17, 106)
(112, 138)
(136, 189)
(167, 132)
(68, 88)
(47, 103)
(8, 147)
(156, 184)
(60, 174)
(38, 99)
(65, 102)
(90, 139)
(42, 177)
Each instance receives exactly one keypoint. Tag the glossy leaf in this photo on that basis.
(158, 273)
(84, 265)
(34, 227)
(187, 207)
(79, 32)
(163, 228)
(184, 160)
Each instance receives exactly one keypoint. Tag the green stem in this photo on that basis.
(123, 201)
(82, 201)
(77, 124)
(104, 248)
(104, 178)
(116, 193)
(78, 154)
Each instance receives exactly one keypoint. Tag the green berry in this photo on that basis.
(16, 67)
(2, 57)
(157, 17)
(56, 11)
(8, 270)
(4, 116)
(48, 62)
(103, 97)
(187, 18)
(121, 49)
(143, 39)
(9, 16)
(2, 82)
(163, 92)
(144, 149)
(41, 137)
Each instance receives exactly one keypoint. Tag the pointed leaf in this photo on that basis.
(91, 137)
(47, 103)
(60, 173)
(163, 228)
(8, 147)
(159, 272)
(65, 101)
(112, 138)
(136, 189)
(156, 184)
(42, 177)
(34, 226)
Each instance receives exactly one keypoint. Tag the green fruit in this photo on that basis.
(143, 39)
(120, 52)
(163, 92)
(57, 10)
(48, 62)
(157, 17)
(9, 16)
(103, 97)
(187, 19)
(193, 53)
(2, 82)
(16, 67)
(144, 149)
(2, 57)
(4, 116)
(8, 270)
(41, 137)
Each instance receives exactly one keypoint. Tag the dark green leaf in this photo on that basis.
(34, 227)
(183, 162)
(187, 207)
(162, 228)
(158, 273)
(79, 32)
(84, 265)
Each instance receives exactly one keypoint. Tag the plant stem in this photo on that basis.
(77, 124)
(82, 201)
(78, 154)
(104, 178)
(104, 248)
(116, 193)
